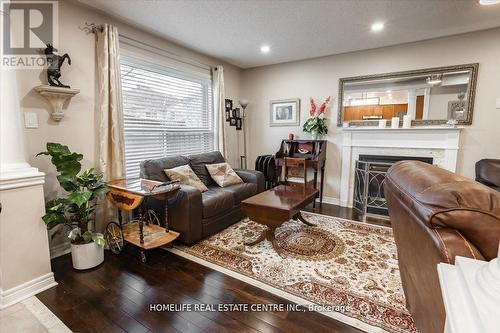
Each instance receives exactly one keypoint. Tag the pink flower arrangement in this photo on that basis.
(322, 107)
(317, 123)
(312, 110)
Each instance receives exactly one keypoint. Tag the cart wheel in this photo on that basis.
(151, 218)
(114, 237)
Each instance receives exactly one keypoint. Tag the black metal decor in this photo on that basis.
(267, 165)
(233, 116)
(369, 179)
(55, 62)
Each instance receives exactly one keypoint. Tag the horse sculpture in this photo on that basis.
(55, 62)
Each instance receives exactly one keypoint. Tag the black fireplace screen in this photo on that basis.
(369, 178)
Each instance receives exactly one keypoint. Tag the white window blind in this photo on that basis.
(167, 112)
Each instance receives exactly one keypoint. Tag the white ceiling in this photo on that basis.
(234, 30)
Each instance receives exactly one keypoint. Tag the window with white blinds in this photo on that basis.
(167, 112)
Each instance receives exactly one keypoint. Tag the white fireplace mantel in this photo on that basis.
(471, 295)
(440, 143)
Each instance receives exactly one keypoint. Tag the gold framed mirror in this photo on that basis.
(432, 96)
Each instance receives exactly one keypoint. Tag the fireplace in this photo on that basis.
(439, 143)
(369, 178)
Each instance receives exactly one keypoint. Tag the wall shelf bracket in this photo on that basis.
(56, 97)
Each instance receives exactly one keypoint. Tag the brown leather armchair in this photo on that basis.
(197, 215)
(437, 215)
(488, 173)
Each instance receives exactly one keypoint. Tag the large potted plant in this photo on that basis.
(316, 125)
(76, 209)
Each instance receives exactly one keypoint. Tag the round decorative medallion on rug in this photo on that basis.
(338, 263)
(309, 243)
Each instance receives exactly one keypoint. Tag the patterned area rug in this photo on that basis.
(337, 263)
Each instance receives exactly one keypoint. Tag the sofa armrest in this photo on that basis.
(252, 176)
(184, 213)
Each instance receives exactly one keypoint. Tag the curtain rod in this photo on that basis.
(160, 51)
(92, 28)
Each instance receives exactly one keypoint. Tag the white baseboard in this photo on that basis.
(330, 200)
(21, 292)
(59, 250)
(335, 201)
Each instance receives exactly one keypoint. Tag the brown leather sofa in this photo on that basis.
(197, 215)
(437, 215)
(488, 173)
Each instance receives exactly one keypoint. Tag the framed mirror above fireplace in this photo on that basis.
(432, 96)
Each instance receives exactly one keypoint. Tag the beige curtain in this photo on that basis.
(219, 107)
(111, 154)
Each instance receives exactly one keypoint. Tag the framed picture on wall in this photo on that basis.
(232, 122)
(236, 113)
(285, 112)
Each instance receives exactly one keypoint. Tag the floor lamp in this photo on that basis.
(243, 158)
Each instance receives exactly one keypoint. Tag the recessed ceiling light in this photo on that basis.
(387, 91)
(265, 49)
(378, 26)
(488, 2)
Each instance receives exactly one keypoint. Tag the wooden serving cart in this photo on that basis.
(144, 231)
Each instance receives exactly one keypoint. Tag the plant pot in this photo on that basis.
(315, 135)
(85, 256)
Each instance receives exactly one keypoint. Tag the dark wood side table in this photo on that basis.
(314, 151)
(275, 206)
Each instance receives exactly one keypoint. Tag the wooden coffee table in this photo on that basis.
(275, 206)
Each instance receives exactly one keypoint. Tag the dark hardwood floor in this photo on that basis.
(116, 296)
(345, 213)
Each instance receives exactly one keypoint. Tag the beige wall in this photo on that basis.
(319, 78)
(23, 243)
(315, 77)
(78, 127)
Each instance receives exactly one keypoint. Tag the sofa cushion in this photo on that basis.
(198, 163)
(241, 191)
(185, 175)
(215, 201)
(153, 169)
(223, 174)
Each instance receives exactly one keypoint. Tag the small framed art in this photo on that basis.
(236, 113)
(285, 112)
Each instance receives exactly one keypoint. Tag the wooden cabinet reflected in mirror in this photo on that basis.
(433, 96)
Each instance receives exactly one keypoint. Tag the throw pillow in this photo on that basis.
(223, 174)
(185, 175)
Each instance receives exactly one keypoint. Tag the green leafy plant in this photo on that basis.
(76, 209)
(317, 122)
